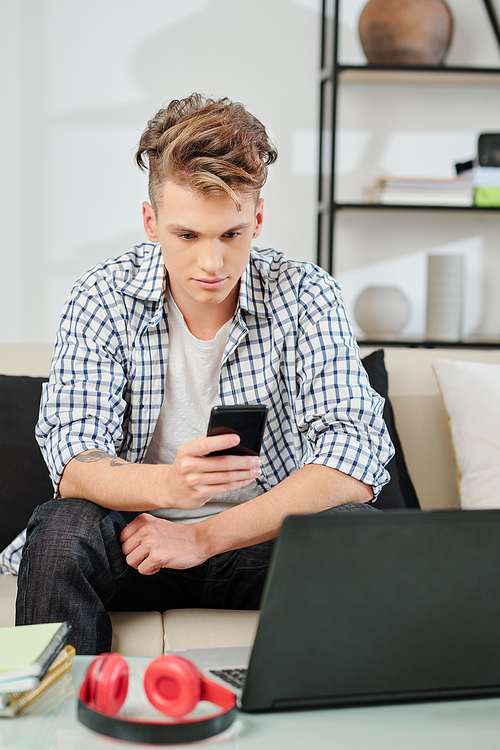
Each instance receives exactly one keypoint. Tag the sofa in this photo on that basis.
(426, 471)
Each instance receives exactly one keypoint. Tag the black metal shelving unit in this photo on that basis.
(421, 343)
(332, 74)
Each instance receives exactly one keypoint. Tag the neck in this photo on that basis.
(204, 320)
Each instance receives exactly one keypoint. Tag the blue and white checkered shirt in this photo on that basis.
(290, 346)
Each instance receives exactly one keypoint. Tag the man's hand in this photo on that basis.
(151, 543)
(195, 477)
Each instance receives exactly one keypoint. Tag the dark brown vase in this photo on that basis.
(405, 32)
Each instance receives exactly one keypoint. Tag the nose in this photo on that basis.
(211, 256)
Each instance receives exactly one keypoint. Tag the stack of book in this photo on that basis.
(421, 191)
(33, 661)
(485, 182)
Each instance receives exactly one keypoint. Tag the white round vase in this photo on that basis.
(381, 311)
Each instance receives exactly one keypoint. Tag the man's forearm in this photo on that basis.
(189, 482)
(151, 543)
(312, 489)
(112, 482)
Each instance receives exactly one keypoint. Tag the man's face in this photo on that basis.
(205, 244)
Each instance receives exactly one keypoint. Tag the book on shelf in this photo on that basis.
(487, 197)
(481, 176)
(26, 653)
(421, 191)
(486, 184)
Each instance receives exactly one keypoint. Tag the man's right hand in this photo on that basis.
(192, 479)
(195, 477)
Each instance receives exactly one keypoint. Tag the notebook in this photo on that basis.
(369, 609)
(26, 653)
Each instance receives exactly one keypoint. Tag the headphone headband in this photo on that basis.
(102, 719)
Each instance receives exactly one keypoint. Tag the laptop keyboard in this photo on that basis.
(235, 677)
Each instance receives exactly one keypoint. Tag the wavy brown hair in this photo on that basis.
(213, 146)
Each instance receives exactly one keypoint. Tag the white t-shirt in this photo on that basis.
(191, 390)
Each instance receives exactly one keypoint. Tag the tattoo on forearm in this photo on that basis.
(97, 455)
(117, 462)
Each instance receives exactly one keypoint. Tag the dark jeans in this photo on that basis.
(73, 569)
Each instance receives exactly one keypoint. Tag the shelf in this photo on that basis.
(427, 344)
(333, 75)
(464, 76)
(405, 207)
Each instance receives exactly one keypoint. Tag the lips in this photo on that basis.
(210, 283)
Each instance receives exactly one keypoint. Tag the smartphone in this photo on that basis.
(248, 421)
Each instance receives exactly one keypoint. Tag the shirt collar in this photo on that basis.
(253, 288)
(149, 281)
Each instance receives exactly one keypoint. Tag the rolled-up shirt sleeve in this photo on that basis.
(83, 405)
(337, 410)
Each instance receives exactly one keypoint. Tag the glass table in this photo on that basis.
(446, 725)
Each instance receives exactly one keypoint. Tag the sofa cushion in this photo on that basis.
(209, 628)
(25, 478)
(8, 591)
(471, 396)
(399, 493)
(137, 633)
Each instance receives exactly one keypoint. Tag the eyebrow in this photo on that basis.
(186, 230)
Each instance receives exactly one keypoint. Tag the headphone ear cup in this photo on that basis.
(109, 683)
(173, 685)
(91, 676)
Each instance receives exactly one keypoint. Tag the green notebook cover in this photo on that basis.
(28, 650)
(487, 196)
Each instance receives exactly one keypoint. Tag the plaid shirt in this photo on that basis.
(290, 346)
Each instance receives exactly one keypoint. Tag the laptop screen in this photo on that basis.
(374, 608)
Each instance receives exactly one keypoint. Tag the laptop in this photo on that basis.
(370, 609)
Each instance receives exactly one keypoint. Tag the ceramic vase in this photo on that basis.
(444, 297)
(405, 32)
(381, 311)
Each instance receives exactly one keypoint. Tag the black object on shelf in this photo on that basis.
(488, 150)
(331, 73)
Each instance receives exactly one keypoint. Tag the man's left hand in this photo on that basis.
(150, 543)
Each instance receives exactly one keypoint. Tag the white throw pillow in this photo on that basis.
(471, 395)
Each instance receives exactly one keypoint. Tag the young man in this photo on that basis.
(144, 518)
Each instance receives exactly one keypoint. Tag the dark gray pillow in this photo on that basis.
(399, 493)
(24, 477)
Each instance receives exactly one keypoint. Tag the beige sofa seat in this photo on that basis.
(208, 628)
(152, 633)
(8, 589)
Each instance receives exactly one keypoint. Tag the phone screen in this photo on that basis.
(248, 421)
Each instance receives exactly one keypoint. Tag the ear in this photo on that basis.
(259, 217)
(149, 221)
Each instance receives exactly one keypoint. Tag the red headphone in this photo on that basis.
(173, 685)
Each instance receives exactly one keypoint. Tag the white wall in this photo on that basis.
(80, 79)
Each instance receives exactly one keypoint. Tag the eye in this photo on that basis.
(187, 236)
(231, 235)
